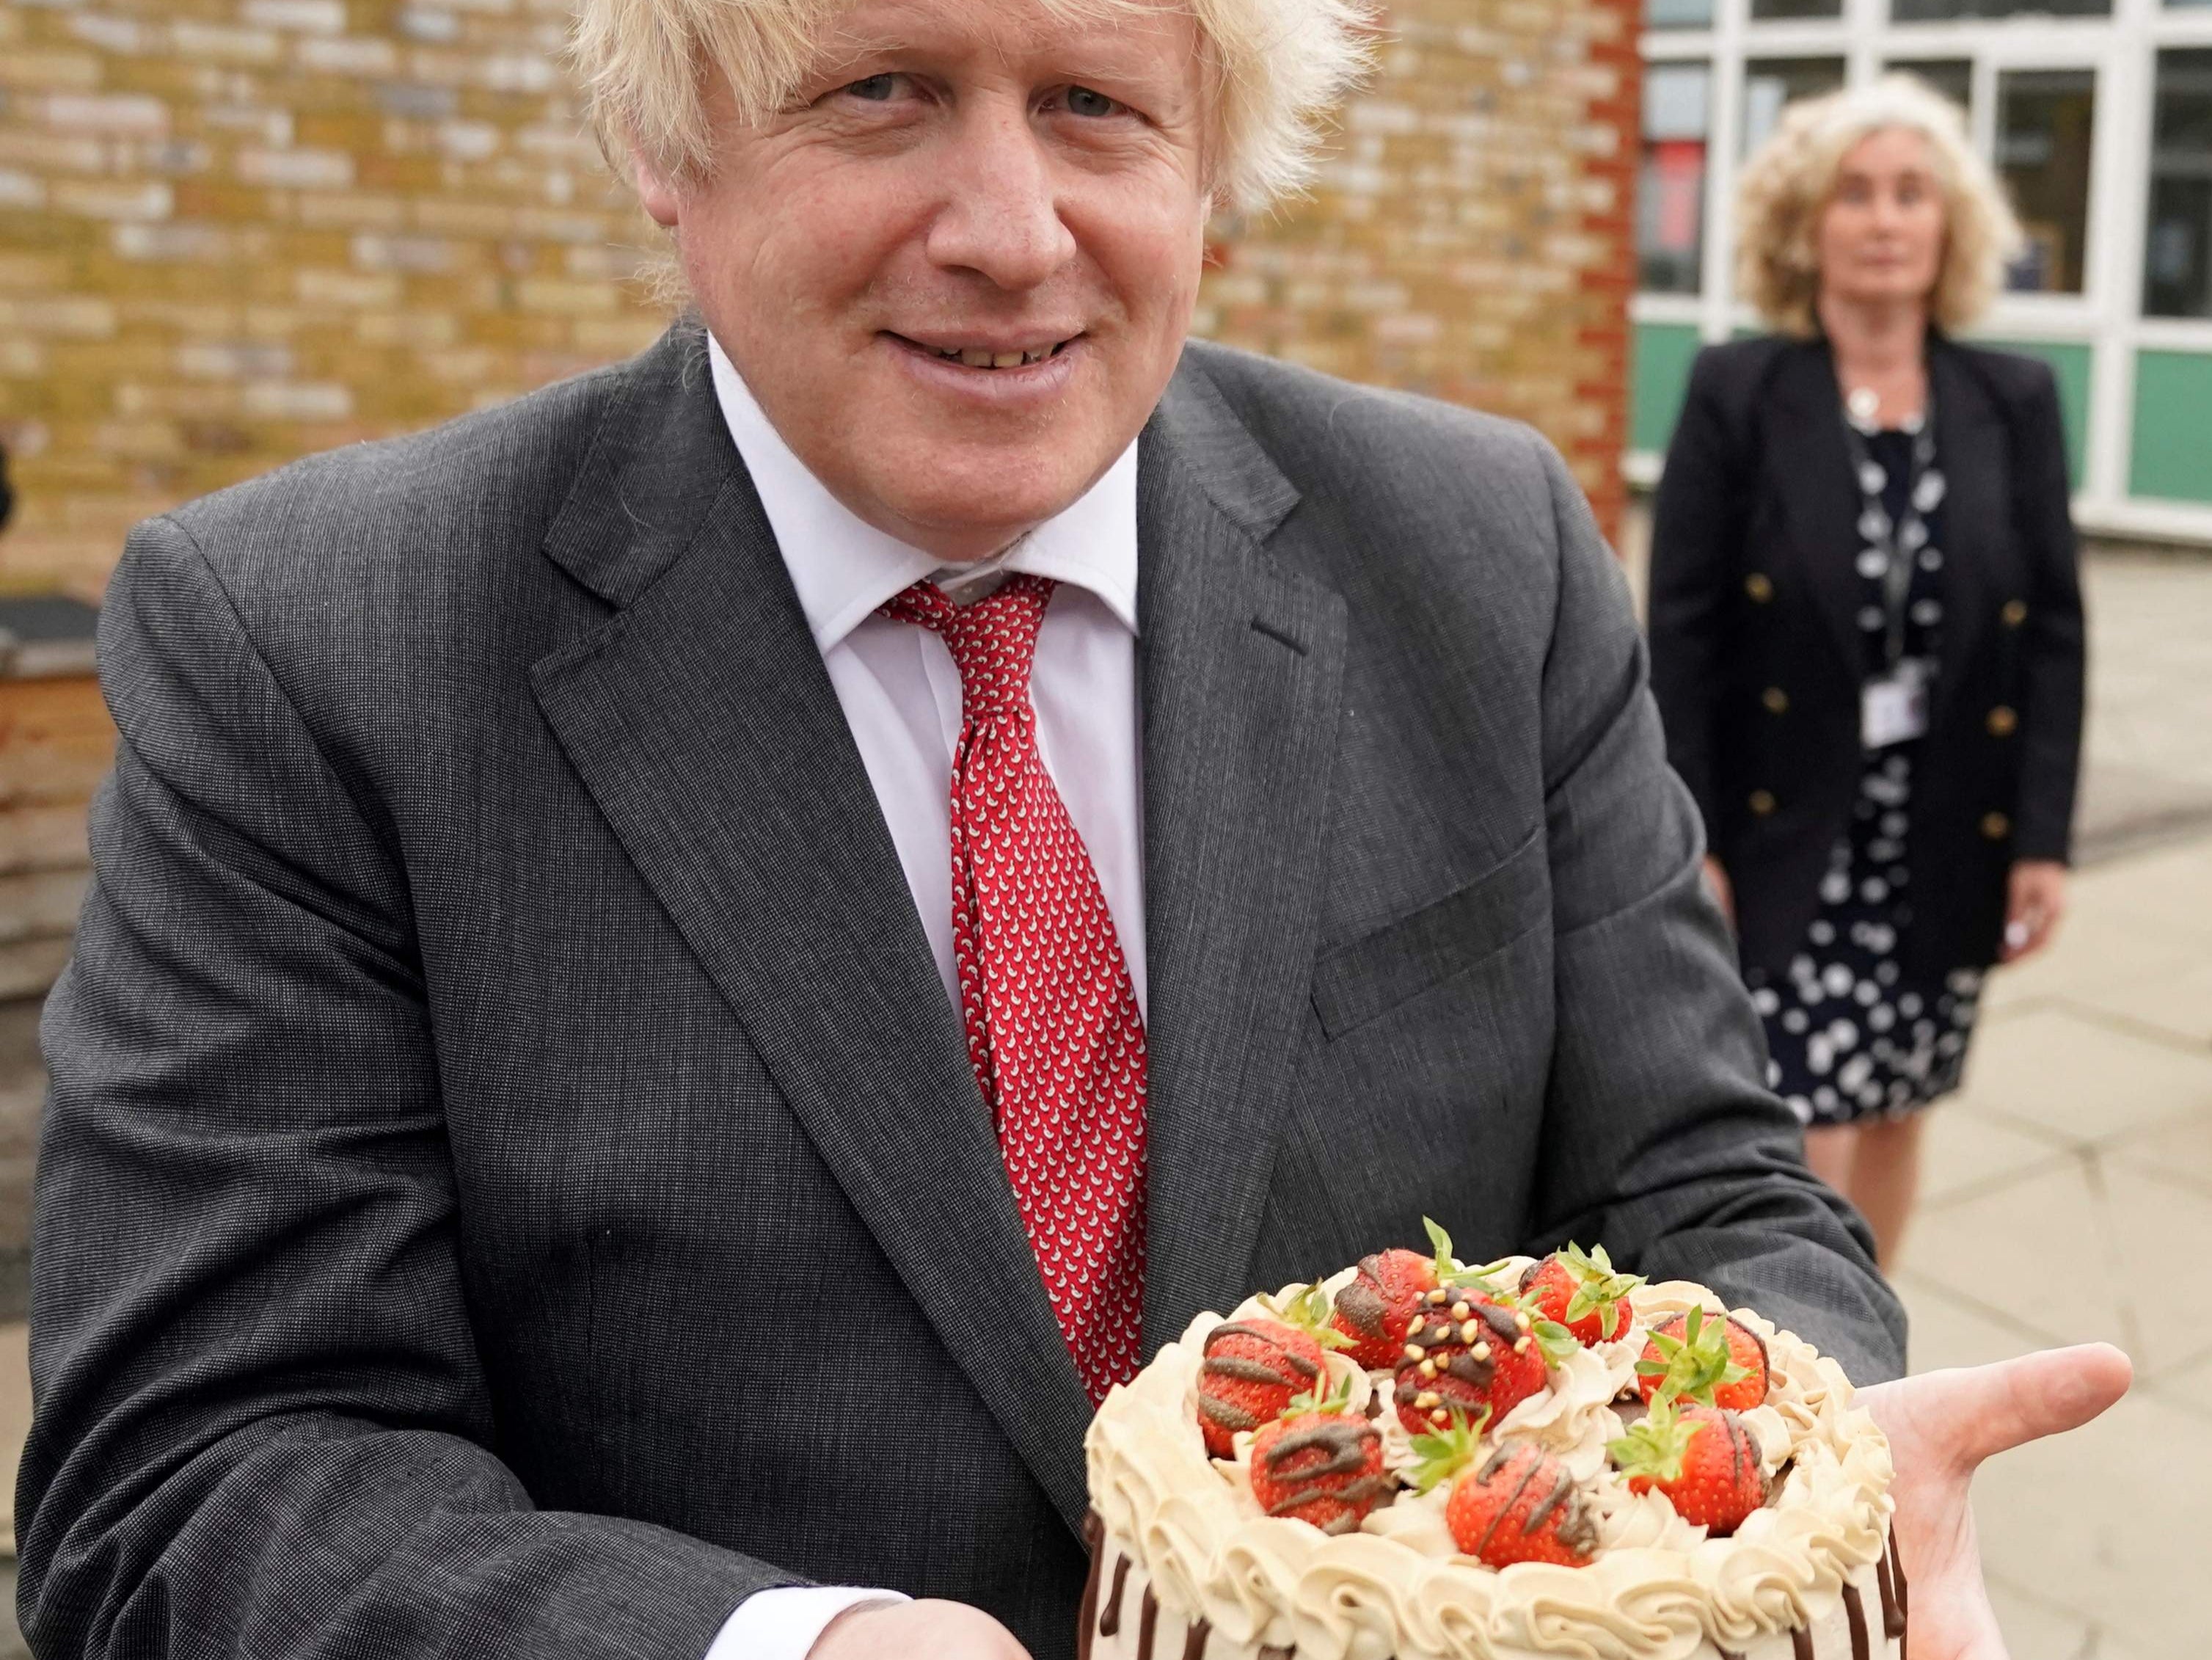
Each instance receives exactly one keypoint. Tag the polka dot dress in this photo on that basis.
(1850, 1034)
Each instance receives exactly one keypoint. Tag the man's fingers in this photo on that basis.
(1973, 1413)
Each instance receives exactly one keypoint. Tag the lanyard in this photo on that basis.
(1899, 542)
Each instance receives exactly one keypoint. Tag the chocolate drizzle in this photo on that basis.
(1855, 1609)
(1094, 1532)
(1194, 1641)
(1801, 1644)
(1276, 1651)
(1147, 1620)
(1361, 1301)
(1892, 1616)
(1110, 1621)
(1347, 1442)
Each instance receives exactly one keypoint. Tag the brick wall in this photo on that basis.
(1472, 237)
(234, 231)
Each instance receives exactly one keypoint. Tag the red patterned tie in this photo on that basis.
(1052, 1028)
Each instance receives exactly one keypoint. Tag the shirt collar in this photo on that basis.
(844, 567)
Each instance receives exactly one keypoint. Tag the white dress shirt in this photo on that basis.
(901, 694)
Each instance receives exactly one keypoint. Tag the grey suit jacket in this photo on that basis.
(513, 1185)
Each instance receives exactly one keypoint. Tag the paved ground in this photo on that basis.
(2070, 1191)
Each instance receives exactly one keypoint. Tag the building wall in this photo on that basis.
(236, 231)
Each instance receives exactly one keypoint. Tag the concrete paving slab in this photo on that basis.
(2179, 1001)
(2093, 951)
(2033, 1629)
(2068, 1071)
(1965, 1150)
(2108, 1523)
(2175, 1149)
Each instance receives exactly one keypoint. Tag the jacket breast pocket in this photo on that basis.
(1353, 984)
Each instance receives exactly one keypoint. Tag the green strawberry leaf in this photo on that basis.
(1555, 1341)
(1442, 1454)
(1654, 1446)
(1340, 1401)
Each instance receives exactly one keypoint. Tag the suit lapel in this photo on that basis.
(702, 721)
(1820, 495)
(1240, 667)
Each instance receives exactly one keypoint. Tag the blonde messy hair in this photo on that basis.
(1277, 66)
(1789, 184)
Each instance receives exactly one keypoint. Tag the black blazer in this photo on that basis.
(513, 1184)
(1755, 652)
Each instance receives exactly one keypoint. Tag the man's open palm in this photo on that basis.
(1942, 1425)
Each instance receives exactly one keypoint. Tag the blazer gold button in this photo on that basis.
(1996, 826)
(1761, 803)
(1759, 588)
(2002, 720)
(1776, 699)
(2015, 613)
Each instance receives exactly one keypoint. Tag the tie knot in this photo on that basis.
(993, 642)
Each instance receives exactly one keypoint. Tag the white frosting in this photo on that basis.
(1658, 1587)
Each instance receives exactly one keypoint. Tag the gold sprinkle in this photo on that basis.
(1470, 1331)
(1461, 1310)
(1428, 1369)
(1520, 1346)
(1437, 1296)
(1426, 1399)
(1481, 1351)
(1521, 1320)
(1440, 1416)
(1414, 1352)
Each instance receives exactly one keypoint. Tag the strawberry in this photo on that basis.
(1582, 1292)
(1464, 1356)
(1522, 1505)
(1321, 1463)
(1251, 1370)
(1705, 1461)
(1372, 1311)
(1714, 1363)
(1252, 1367)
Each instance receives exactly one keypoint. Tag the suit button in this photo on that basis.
(2002, 721)
(1759, 588)
(1996, 826)
(1761, 803)
(1776, 699)
(2015, 613)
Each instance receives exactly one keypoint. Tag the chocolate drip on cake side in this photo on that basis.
(1148, 1619)
(1855, 1611)
(1110, 1621)
(1801, 1644)
(1283, 1367)
(1094, 1536)
(1194, 1641)
(1892, 1610)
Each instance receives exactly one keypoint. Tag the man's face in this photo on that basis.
(958, 269)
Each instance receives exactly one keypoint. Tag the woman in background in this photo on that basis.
(1866, 624)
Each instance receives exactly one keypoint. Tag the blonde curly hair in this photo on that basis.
(1276, 68)
(1789, 184)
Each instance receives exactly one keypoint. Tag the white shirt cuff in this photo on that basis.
(785, 1623)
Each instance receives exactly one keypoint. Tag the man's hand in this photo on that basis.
(943, 1631)
(2035, 899)
(1940, 1425)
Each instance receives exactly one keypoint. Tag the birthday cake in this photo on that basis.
(1421, 1459)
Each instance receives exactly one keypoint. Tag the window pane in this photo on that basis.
(2043, 152)
(1929, 11)
(1952, 77)
(1670, 193)
(2178, 247)
(1678, 14)
(1769, 83)
(1761, 10)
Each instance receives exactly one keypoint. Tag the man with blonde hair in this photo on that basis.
(683, 973)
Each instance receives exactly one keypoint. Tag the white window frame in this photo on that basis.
(2107, 318)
